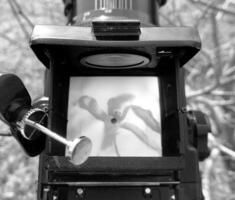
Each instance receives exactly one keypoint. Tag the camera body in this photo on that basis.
(116, 79)
(67, 52)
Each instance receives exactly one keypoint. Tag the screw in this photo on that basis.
(55, 197)
(80, 192)
(147, 191)
(113, 120)
(183, 110)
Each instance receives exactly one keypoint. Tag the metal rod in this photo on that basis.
(47, 132)
(116, 183)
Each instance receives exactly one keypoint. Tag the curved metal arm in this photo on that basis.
(79, 149)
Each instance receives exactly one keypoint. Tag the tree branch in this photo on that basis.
(227, 80)
(216, 102)
(209, 89)
(170, 22)
(217, 51)
(5, 134)
(203, 91)
(225, 6)
(15, 14)
(20, 11)
(221, 147)
(177, 14)
(228, 12)
(203, 15)
(229, 70)
(11, 41)
(223, 93)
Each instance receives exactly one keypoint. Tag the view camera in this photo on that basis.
(113, 123)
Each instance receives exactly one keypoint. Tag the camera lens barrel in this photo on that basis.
(83, 12)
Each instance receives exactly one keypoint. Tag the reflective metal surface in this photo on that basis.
(78, 150)
(116, 183)
(89, 10)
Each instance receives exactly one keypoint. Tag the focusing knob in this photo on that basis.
(37, 115)
(198, 134)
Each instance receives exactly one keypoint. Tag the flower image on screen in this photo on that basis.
(121, 115)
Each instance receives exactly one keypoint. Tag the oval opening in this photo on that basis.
(115, 61)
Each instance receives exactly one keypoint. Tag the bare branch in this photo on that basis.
(228, 70)
(170, 22)
(217, 102)
(207, 172)
(204, 13)
(227, 80)
(222, 82)
(5, 134)
(11, 41)
(223, 103)
(15, 14)
(227, 12)
(221, 147)
(203, 91)
(176, 14)
(225, 6)
(223, 93)
(215, 40)
(20, 11)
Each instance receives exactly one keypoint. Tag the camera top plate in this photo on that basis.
(156, 41)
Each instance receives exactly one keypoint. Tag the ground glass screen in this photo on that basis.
(121, 115)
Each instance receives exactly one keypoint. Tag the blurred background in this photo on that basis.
(210, 85)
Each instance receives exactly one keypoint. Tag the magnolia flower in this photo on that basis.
(121, 122)
(119, 114)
